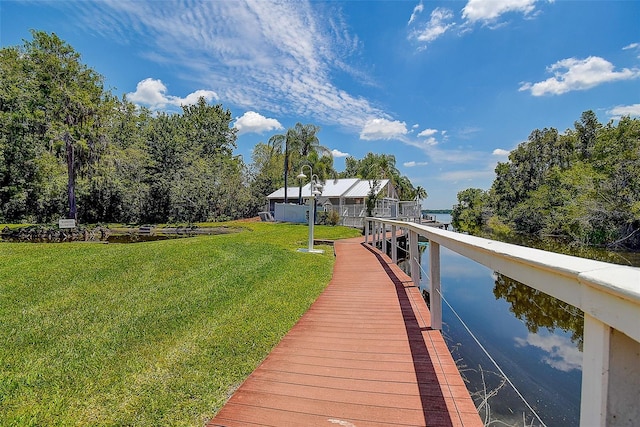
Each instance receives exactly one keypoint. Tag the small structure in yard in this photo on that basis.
(347, 197)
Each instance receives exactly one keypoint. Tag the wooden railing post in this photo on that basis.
(435, 296)
(414, 254)
(394, 245)
(366, 230)
(595, 372)
(384, 237)
(373, 233)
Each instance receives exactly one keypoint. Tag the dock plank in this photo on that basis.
(362, 355)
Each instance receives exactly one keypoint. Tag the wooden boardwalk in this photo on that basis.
(362, 355)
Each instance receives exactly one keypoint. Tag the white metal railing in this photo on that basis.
(608, 294)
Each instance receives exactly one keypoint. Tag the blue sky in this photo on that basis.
(448, 87)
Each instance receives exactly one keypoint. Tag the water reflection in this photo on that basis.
(562, 354)
(539, 310)
(534, 338)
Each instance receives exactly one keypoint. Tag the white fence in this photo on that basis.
(608, 294)
(353, 215)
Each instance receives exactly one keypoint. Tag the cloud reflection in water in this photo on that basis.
(562, 354)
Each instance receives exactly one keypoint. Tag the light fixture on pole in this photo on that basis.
(315, 187)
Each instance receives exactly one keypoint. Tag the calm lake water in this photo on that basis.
(534, 338)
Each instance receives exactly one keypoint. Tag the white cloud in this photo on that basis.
(489, 11)
(263, 56)
(416, 11)
(338, 153)
(562, 353)
(500, 152)
(428, 132)
(578, 74)
(412, 164)
(431, 141)
(625, 110)
(383, 129)
(439, 23)
(152, 93)
(633, 46)
(256, 123)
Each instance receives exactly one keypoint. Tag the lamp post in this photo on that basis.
(315, 187)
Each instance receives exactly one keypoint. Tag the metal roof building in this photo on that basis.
(346, 196)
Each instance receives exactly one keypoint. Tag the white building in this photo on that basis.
(347, 197)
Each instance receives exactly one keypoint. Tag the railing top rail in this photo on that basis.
(606, 291)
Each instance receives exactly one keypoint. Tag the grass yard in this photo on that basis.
(156, 333)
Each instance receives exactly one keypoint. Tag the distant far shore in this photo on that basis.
(437, 211)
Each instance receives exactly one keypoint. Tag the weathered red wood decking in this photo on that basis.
(362, 355)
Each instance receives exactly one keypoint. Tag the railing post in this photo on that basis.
(394, 245)
(414, 254)
(435, 296)
(595, 372)
(384, 238)
(372, 224)
(366, 230)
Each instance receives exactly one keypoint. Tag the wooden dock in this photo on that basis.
(362, 355)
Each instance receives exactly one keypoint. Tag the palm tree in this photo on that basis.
(305, 143)
(298, 142)
(421, 193)
(322, 165)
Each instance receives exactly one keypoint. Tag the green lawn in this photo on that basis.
(156, 333)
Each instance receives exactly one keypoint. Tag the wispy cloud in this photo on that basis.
(633, 46)
(413, 164)
(487, 13)
(625, 110)
(252, 122)
(428, 132)
(500, 152)
(416, 11)
(439, 23)
(276, 57)
(578, 74)
(152, 93)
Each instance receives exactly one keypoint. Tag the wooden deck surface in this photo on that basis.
(362, 355)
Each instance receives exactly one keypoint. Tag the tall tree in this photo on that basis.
(587, 129)
(420, 193)
(280, 142)
(267, 159)
(379, 166)
(71, 95)
(298, 142)
(304, 142)
(19, 142)
(208, 129)
(470, 212)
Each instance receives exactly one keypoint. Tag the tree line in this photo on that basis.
(581, 186)
(70, 148)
